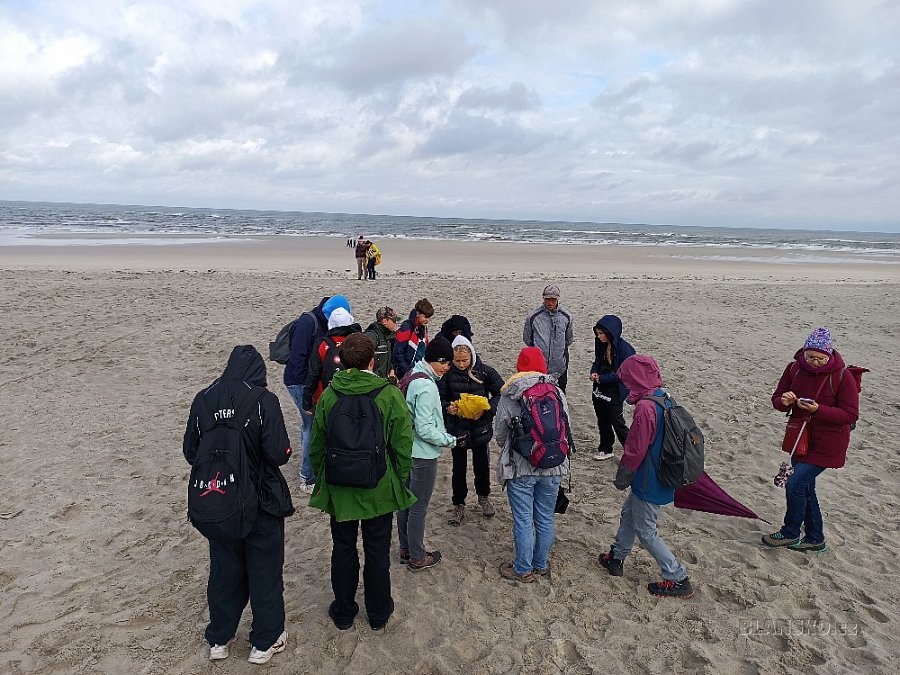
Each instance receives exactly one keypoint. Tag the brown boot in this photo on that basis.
(487, 507)
(457, 515)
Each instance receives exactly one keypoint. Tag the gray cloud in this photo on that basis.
(677, 111)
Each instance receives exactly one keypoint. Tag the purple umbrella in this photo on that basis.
(705, 495)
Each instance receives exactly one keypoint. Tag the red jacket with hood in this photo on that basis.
(829, 427)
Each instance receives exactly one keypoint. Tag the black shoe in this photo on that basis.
(615, 566)
(341, 625)
(381, 624)
(672, 589)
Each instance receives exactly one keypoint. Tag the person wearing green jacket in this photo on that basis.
(430, 437)
(371, 510)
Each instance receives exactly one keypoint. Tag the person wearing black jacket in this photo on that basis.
(608, 392)
(251, 567)
(469, 375)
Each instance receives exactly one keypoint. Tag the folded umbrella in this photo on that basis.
(705, 495)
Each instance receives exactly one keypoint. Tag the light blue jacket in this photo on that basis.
(430, 436)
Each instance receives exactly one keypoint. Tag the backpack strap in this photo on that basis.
(840, 381)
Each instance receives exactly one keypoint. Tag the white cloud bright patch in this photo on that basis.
(716, 112)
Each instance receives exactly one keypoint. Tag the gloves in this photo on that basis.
(624, 475)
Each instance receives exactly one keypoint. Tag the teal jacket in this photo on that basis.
(391, 494)
(430, 436)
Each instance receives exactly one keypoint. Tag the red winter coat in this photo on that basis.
(829, 427)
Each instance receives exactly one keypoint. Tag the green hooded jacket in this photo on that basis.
(391, 494)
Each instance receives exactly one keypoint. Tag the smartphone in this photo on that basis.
(806, 400)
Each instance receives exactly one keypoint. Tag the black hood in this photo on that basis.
(457, 322)
(612, 326)
(245, 365)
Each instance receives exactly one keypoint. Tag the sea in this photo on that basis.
(30, 223)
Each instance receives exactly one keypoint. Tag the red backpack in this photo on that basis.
(541, 433)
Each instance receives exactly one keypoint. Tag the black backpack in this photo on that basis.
(331, 358)
(222, 498)
(354, 441)
(681, 456)
(280, 348)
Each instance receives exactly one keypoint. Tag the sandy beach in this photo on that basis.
(106, 344)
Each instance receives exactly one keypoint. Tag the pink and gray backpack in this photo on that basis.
(541, 433)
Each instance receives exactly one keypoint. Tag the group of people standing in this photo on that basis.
(421, 387)
(367, 255)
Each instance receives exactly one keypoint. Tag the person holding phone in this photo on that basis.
(815, 385)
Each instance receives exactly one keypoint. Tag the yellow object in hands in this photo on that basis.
(470, 405)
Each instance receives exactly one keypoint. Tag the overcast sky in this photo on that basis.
(686, 112)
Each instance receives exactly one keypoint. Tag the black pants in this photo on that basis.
(610, 423)
(249, 568)
(370, 269)
(376, 536)
(563, 379)
(481, 465)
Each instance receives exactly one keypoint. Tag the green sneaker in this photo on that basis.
(777, 540)
(804, 545)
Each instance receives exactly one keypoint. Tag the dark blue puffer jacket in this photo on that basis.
(612, 326)
(308, 327)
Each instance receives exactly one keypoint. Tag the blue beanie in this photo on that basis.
(333, 303)
(820, 341)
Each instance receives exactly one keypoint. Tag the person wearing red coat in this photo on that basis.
(815, 386)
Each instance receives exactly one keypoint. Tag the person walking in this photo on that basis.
(641, 376)
(550, 329)
(352, 509)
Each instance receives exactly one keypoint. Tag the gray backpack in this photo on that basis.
(681, 456)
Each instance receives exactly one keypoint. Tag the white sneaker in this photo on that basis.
(219, 652)
(600, 456)
(307, 487)
(256, 656)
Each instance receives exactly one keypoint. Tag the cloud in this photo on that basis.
(677, 111)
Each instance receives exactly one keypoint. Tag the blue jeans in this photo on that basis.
(639, 520)
(802, 504)
(532, 500)
(307, 474)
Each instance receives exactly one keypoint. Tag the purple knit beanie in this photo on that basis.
(819, 340)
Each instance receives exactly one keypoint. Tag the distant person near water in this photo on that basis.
(360, 252)
(373, 258)
(608, 393)
(550, 329)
